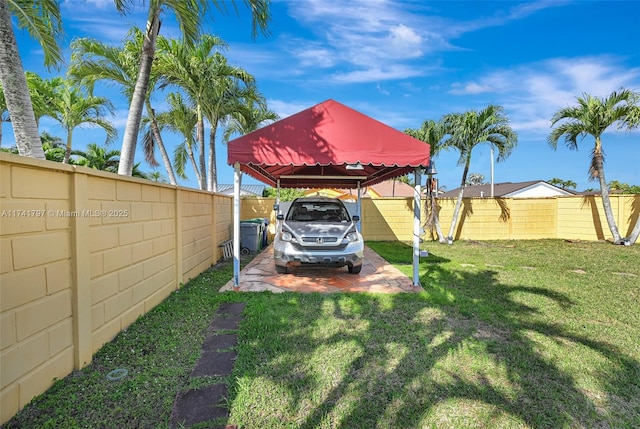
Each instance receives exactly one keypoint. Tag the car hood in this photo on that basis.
(319, 229)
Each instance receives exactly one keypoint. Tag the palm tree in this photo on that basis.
(41, 18)
(254, 114)
(43, 92)
(470, 129)
(185, 66)
(156, 176)
(136, 172)
(592, 116)
(231, 92)
(181, 118)
(213, 86)
(433, 133)
(98, 158)
(92, 61)
(72, 108)
(189, 14)
(564, 184)
(54, 147)
(475, 179)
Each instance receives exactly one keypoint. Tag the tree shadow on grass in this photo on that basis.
(465, 353)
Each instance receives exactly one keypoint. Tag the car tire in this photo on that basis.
(281, 270)
(355, 269)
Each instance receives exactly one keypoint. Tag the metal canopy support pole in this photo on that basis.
(416, 227)
(278, 192)
(237, 179)
(359, 208)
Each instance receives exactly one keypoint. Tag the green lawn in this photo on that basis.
(539, 334)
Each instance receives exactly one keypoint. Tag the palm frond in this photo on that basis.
(43, 22)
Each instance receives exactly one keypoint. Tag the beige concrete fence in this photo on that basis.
(572, 218)
(84, 253)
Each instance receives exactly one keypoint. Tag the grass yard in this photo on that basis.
(522, 334)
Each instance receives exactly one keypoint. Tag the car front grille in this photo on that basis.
(323, 240)
(313, 247)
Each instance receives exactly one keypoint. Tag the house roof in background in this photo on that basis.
(379, 190)
(392, 188)
(506, 189)
(248, 189)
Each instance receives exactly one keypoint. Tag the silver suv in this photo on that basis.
(318, 231)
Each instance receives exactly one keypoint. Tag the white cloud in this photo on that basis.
(405, 41)
(532, 93)
(382, 90)
(367, 40)
(470, 88)
(454, 29)
(378, 74)
(285, 109)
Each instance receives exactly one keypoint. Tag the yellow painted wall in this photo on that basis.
(83, 253)
(574, 217)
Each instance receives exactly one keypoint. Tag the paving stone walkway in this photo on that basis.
(204, 405)
(377, 275)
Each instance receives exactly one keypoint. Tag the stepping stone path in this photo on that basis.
(196, 406)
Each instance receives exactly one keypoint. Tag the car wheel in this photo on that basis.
(281, 270)
(355, 269)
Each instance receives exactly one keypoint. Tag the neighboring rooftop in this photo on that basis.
(389, 188)
(530, 189)
(245, 190)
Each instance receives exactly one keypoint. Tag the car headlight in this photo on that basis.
(351, 237)
(286, 236)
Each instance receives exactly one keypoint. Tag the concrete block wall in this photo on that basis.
(132, 256)
(592, 224)
(570, 217)
(574, 217)
(83, 254)
(198, 232)
(223, 207)
(387, 219)
(36, 322)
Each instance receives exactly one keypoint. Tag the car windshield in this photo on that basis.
(318, 212)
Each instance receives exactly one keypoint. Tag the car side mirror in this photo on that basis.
(355, 218)
(280, 216)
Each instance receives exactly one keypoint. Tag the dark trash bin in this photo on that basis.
(264, 224)
(250, 236)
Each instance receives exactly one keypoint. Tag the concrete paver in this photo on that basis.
(377, 275)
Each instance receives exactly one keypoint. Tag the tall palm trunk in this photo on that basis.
(192, 158)
(128, 151)
(67, 151)
(436, 218)
(456, 211)
(201, 147)
(16, 92)
(212, 182)
(155, 130)
(604, 192)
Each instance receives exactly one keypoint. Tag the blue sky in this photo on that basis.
(402, 62)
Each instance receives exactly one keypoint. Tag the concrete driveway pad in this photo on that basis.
(377, 275)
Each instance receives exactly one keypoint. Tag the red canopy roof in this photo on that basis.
(327, 145)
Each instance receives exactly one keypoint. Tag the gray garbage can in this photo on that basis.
(250, 237)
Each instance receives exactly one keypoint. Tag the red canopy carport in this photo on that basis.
(327, 145)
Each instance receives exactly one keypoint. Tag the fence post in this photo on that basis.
(80, 271)
(178, 226)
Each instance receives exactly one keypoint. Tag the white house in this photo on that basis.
(531, 189)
